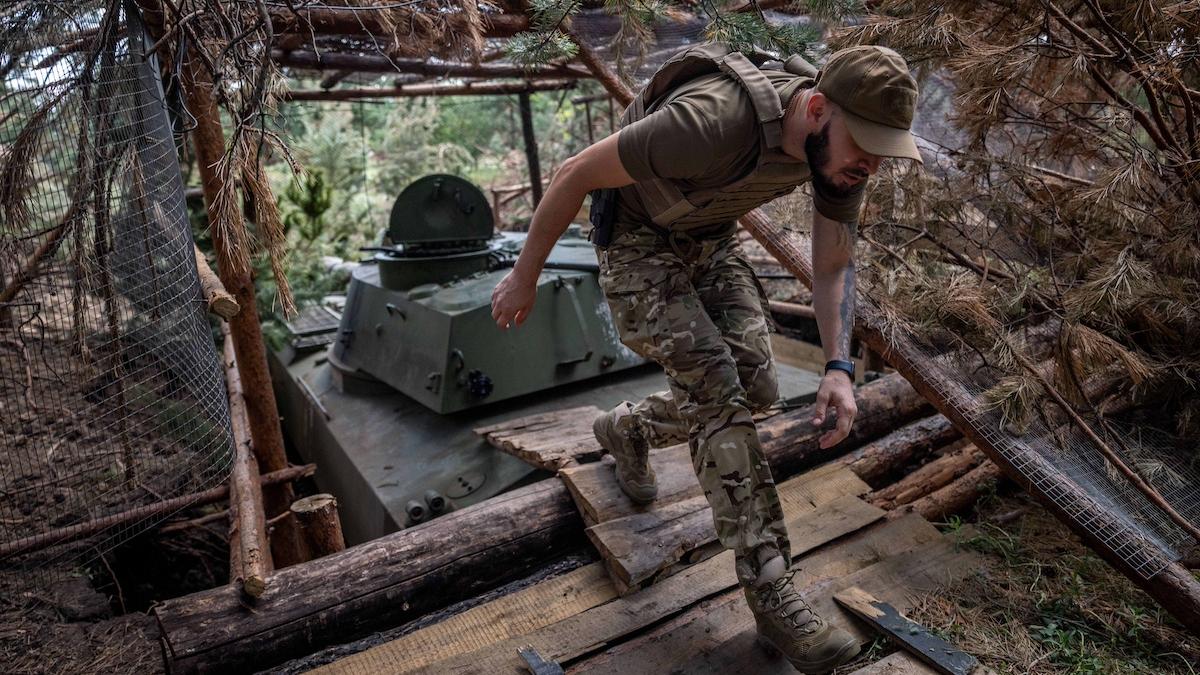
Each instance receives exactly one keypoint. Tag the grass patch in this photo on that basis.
(1044, 603)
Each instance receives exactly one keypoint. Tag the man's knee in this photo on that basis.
(762, 391)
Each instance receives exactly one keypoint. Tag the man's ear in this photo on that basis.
(816, 108)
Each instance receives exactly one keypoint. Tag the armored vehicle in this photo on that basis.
(383, 394)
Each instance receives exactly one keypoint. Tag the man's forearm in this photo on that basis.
(833, 284)
(833, 303)
(550, 220)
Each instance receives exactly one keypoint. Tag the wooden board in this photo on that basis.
(719, 636)
(593, 629)
(635, 549)
(550, 440)
(896, 663)
(595, 490)
(516, 614)
(913, 637)
(638, 543)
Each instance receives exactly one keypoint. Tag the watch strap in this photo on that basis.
(844, 366)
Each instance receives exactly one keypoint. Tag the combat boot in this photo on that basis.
(787, 624)
(618, 437)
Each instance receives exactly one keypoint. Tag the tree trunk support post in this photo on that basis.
(531, 150)
(320, 526)
(266, 434)
(249, 547)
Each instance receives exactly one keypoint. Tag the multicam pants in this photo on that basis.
(699, 312)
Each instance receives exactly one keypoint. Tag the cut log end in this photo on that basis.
(223, 306)
(319, 524)
(254, 586)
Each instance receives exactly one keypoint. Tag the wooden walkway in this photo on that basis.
(665, 598)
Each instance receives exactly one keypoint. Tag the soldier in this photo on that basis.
(714, 134)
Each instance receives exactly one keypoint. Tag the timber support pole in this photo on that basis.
(209, 141)
(249, 549)
(471, 88)
(320, 526)
(531, 149)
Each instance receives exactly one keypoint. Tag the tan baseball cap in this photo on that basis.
(873, 87)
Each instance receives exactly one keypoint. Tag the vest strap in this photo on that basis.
(763, 96)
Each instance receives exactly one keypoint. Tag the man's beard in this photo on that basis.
(816, 150)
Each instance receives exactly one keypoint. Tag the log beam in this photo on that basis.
(415, 90)
(608, 79)
(249, 549)
(220, 302)
(955, 497)
(531, 149)
(952, 465)
(793, 309)
(368, 22)
(320, 527)
(369, 63)
(875, 460)
(395, 579)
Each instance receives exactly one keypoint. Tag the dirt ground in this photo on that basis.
(82, 607)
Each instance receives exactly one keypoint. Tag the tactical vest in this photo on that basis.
(774, 174)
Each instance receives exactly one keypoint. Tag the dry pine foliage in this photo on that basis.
(1065, 193)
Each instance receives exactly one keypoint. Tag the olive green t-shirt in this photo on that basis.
(707, 136)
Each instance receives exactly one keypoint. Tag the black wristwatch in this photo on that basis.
(844, 366)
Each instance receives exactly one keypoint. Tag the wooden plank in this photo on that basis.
(719, 636)
(515, 614)
(896, 663)
(637, 548)
(638, 542)
(913, 637)
(595, 490)
(591, 630)
(550, 440)
(843, 515)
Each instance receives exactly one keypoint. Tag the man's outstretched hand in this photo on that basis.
(836, 391)
(512, 299)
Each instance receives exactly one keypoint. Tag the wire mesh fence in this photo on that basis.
(111, 393)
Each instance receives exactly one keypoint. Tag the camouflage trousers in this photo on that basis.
(700, 313)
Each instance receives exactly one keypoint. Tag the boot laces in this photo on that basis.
(783, 597)
(635, 454)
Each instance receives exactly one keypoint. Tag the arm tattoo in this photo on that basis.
(846, 237)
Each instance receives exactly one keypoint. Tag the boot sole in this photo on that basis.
(603, 436)
(843, 655)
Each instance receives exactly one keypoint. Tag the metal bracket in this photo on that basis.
(536, 664)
